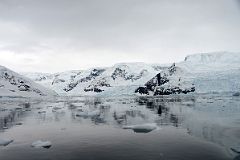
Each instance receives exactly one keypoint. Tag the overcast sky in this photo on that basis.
(59, 35)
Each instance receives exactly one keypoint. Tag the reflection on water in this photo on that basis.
(212, 119)
(12, 116)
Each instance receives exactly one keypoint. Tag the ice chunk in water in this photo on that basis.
(236, 94)
(39, 144)
(87, 114)
(5, 142)
(40, 112)
(142, 128)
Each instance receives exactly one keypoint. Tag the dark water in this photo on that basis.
(88, 128)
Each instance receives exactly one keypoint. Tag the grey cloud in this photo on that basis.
(135, 27)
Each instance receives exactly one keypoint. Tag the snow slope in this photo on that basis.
(15, 85)
(205, 72)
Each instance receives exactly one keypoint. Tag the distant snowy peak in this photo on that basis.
(214, 57)
(13, 84)
(38, 77)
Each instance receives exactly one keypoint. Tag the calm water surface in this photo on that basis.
(205, 127)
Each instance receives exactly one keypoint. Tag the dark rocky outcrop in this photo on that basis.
(93, 90)
(173, 90)
(157, 84)
(142, 90)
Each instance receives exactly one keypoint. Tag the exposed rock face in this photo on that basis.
(173, 90)
(142, 90)
(93, 90)
(165, 83)
(119, 72)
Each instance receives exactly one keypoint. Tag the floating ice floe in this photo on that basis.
(5, 142)
(142, 128)
(57, 109)
(43, 144)
(19, 108)
(237, 94)
(88, 114)
(40, 112)
(19, 123)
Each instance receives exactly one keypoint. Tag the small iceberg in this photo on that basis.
(5, 142)
(58, 109)
(88, 114)
(40, 112)
(142, 128)
(18, 123)
(237, 94)
(43, 144)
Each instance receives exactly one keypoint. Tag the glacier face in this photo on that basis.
(220, 58)
(13, 84)
(213, 72)
(205, 72)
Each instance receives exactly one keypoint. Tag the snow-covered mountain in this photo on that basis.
(123, 76)
(13, 84)
(201, 73)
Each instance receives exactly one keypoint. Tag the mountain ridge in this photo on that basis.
(196, 71)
